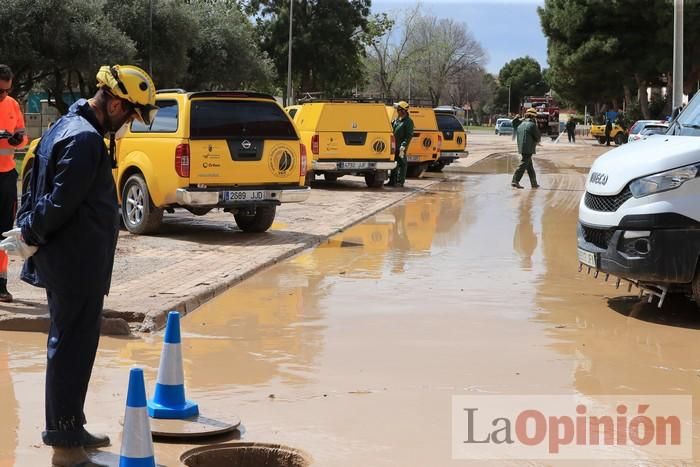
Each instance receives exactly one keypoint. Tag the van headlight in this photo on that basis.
(663, 181)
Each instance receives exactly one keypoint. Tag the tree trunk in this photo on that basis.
(628, 96)
(668, 105)
(57, 91)
(643, 98)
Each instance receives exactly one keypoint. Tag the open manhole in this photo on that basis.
(245, 455)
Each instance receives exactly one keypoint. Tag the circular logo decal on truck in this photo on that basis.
(281, 161)
(379, 146)
(459, 140)
(427, 142)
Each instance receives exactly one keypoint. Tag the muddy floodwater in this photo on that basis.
(351, 352)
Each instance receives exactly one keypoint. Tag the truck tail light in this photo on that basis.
(302, 157)
(182, 160)
(393, 144)
(314, 144)
(439, 142)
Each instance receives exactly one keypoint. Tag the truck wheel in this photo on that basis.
(619, 139)
(601, 139)
(330, 177)
(696, 287)
(375, 179)
(257, 223)
(436, 166)
(310, 177)
(139, 214)
(415, 171)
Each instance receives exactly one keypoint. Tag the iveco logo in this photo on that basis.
(379, 146)
(245, 144)
(354, 124)
(599, 178)
(427, 142)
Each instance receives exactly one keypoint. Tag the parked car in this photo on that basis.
(454, 140)
(346, 138)
(238, 151)
(424, 148)
(504, 126)
(638, 130)
(618, 135)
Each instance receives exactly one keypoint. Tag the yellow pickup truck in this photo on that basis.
(346, 138)
(234, 150)
(618, 134)
(424, 148)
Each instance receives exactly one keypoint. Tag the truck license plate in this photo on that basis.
(587, 258)
(413, 158)
(353, 165)
(242, 196)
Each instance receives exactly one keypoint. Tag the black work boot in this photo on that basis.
(96, 440)
(5, 296)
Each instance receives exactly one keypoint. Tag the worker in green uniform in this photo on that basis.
(403, 132)
(528, 137)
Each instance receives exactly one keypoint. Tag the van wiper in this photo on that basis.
(694, 127)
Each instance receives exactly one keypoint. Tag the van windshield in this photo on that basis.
(224, 119)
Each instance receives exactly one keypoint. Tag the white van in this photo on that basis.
(639, 219)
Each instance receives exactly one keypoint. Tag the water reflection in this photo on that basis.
(8, 408)
(525, 238)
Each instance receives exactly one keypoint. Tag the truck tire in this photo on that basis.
(601, 139)
(139, 214)
(696, 287)
(257, 223)
(310, 177)
(436, 166)
(619, 139)
(375, 179)
(415, 171)
(330, 177)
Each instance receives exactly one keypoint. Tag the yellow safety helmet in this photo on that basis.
(531, 111)
(132, 84)
(402, 105)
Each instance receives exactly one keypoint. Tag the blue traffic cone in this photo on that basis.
(169, 398)
(137, 444)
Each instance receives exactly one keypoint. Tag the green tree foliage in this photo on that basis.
(225, 53)
(525, 78)
(601, 50)
(58, 45)
(329, 38)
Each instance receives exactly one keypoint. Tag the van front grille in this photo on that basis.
(607, 203)
(598, 237)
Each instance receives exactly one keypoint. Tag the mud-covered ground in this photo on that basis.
(353, 351)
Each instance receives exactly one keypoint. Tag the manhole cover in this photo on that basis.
(245, 455)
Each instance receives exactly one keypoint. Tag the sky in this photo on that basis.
(506, 29)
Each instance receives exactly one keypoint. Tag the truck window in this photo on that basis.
(223, 119)
(166, 120)
(448, 123)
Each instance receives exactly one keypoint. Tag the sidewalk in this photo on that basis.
(195, 258)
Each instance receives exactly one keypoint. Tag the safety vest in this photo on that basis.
(11, 120)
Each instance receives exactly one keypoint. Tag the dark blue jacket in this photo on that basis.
(70, 210)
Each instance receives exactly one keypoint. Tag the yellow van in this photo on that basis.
(234, 150)
(424, 148)
(454, 141)
(346, 138)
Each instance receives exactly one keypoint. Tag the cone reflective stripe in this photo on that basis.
(137, 444)
(169, 398)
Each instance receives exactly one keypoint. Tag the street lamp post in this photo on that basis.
(150, 39)
(677, 99)
(508, 99)
(289, 58)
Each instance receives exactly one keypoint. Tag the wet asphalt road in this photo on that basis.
(352, 351)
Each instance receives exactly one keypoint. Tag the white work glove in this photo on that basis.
(14, 245)
(402, 152)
